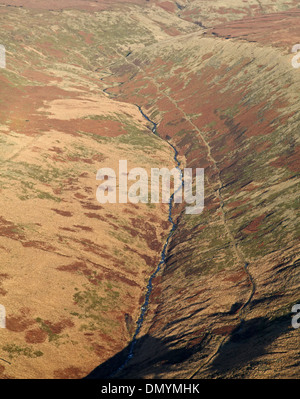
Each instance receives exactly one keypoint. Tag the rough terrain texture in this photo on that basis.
(219, 83)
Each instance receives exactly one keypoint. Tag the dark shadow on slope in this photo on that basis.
(150, 353)
(110, 366)
(248, 342)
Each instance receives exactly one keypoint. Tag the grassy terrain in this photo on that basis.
(218, 81)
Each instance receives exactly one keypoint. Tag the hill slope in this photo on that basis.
(219, 83)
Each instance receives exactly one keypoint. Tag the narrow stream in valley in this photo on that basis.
(162, 262)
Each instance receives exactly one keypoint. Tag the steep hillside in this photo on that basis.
(222, 305)
(211, 13)
(216, 80)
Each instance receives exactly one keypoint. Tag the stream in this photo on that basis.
(162, 262)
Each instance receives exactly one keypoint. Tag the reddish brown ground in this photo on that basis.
(278, 29)
(91, 5)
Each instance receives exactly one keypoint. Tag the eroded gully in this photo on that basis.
(162, 262)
